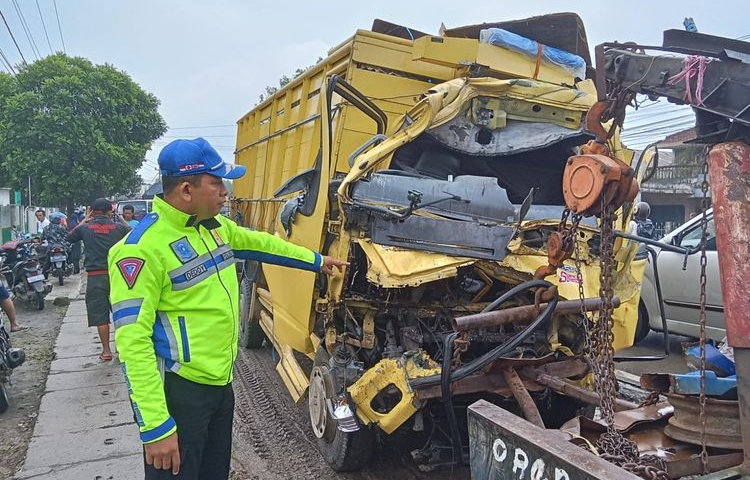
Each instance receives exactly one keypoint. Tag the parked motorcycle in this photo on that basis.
(23, 272)
(57, 262)
(10, 358)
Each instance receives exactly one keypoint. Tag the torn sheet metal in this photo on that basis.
(393, 267)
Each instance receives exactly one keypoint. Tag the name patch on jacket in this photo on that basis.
(130, 268)
(184, 251)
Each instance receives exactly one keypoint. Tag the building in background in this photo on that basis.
(674, 190)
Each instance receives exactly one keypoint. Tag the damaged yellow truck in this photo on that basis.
(434, 165)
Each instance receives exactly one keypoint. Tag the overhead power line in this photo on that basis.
(59, 28)
(13, 37)
(26, 29)
(8, 66)
(44, 26)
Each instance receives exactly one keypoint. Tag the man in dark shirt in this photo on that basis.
(75, 249)
(99, 233)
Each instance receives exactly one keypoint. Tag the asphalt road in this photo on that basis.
(653, 345)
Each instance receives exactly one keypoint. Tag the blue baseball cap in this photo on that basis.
(192, 157)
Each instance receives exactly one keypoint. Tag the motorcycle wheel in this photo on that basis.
(60, 277)
(4, 402)
(39, 302)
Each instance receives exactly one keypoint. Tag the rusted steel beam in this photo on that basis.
(729, 165)
(494, 381)
(729, 168)
(568, 389)
(530, 412)
(524, 313)
(480, 382)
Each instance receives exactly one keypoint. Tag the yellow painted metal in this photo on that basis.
(393, 267)
(443, 103)
(281, 137)
(288, 368)
(500, 62)
(386, 374)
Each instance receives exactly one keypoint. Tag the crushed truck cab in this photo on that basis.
(441, 188)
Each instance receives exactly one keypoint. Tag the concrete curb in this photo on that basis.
(85, 424)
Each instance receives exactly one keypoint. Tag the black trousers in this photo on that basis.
(204, 415)
(75, 256)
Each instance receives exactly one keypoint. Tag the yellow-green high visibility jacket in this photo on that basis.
(175, 302)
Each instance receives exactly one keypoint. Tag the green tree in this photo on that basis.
(79, 130)
(283, 81)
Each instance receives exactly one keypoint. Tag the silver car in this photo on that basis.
(681, 287)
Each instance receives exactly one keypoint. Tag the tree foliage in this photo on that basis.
(283, 81)
(79, 130)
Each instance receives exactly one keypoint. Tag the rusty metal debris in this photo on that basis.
(523, 313)
(530, 411)
(723, 431)
(570, 390)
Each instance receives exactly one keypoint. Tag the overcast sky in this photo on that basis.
(208, 61)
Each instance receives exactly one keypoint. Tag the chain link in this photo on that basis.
(460, 346)
(613, 446)
(599, 351)
(651, 399)
(702, 319)
(611, 442)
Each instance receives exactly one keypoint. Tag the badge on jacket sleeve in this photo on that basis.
(130, 268)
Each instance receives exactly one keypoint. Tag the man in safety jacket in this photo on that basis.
(175, 304)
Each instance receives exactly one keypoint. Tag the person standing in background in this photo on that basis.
(75, 248)
(99, 233)
(128, 213)
(41, 220)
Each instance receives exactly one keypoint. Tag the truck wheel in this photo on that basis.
(343, 451)
(251, 335)
(4, 402)
(643, 328)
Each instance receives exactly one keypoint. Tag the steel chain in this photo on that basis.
(460, 345)
(588, 324)
(702, 319)
(599, 350)
(612, 441)
(651, 399)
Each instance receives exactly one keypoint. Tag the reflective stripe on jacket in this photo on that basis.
(175, 302)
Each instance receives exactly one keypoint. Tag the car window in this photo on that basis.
(693, 237)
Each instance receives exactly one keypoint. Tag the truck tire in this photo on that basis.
(643, 328)
(251, 335)
(343, 451)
